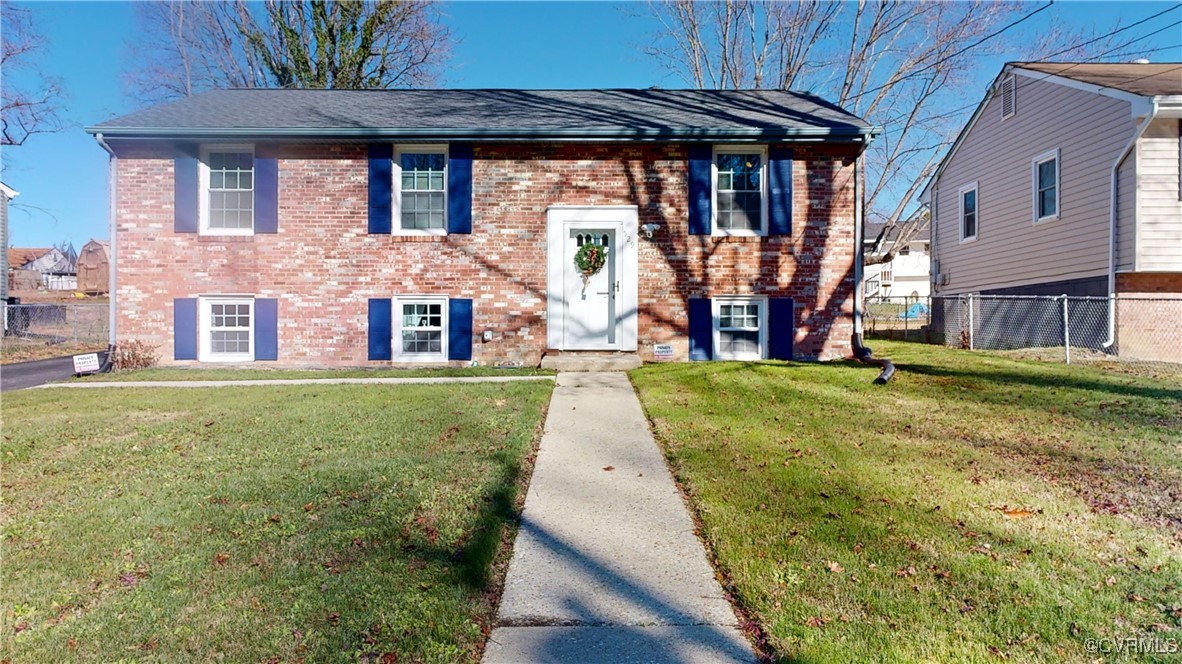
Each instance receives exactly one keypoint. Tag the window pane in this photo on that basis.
(1046, 174)
(1046, 203)
(970, 202)
(970, 225)
(724, 180)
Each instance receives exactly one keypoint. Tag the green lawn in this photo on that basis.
(302, 523)
(254, 373)
(977, 507)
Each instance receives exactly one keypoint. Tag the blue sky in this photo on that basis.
(62, 177)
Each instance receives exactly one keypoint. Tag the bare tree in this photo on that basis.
(31, 108)
(896, 64)
(187, 47)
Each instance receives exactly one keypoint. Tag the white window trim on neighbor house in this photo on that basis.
(396, 188)
(1009, 87)
(972, 186)
(760, 150)
(205, 328)
(203, 206)
(1049, 155)
(396, 328)
(716, 305)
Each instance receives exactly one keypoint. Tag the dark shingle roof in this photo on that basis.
(1148, 79)
(492, 114)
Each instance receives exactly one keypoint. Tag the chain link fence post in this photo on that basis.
(1066, 331)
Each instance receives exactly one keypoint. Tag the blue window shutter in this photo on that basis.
(781, 328)
(701, 329)
(380, 310)
(380, 195)
(184, 328)
(459, 329)
(780, 186)
(701, 194)
(266, 195)
(185, 192)
(459, 188)
(266, 329)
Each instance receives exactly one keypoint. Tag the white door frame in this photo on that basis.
(559, 220)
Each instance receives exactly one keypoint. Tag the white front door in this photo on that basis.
(602, 313)
(590, 319)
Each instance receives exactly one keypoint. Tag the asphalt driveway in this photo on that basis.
(29, 374)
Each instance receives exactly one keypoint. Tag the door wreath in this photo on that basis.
(590, 259)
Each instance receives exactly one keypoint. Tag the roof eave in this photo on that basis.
(849, 133)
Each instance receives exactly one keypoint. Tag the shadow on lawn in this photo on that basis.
(1056, 381)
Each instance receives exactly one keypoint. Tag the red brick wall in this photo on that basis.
(1149, 284)
(324, 266)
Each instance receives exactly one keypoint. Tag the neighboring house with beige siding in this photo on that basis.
(1064, 181)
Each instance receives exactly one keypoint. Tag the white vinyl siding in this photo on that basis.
(1159, 211)
(1013, 251)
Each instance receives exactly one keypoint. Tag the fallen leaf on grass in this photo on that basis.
(816, 621)
(904, 572)
(221, 558)
(334, 618)
(835, 568)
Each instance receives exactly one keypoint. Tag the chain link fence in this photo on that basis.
(65, 327)
(1139, 333)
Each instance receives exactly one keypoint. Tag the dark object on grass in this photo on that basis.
(866, 356)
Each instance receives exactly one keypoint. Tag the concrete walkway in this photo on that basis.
(606, 566)
(297, 381)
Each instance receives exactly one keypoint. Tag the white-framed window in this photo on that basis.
(420, 189)
(1044, 173)
(420, 328)
(226, 328)
(969, 211)
(887, 274)
(227, 190)
(740, 182)
(1009, 96)
(740, 328)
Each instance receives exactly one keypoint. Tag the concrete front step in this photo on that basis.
(591, 362)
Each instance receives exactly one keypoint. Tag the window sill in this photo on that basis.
(1045, 220)
(737, 233)
(420, 360)
(406, 237)
(222, 359)
(222, 239)
(967, 240)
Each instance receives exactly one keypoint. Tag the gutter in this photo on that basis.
(855, 134)
(112, 190)
(861, 352)
(1113, 220)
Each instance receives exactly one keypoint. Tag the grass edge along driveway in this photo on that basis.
(975, 508)
(302, 523)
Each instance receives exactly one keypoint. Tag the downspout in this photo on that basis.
(861, 352)
(112, 189)
(1114, 219)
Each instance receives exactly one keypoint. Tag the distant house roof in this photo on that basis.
(1147, 79)
(17, 256)
(495, 115)
(874, 229)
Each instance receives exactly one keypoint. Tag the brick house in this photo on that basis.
(369, 228)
